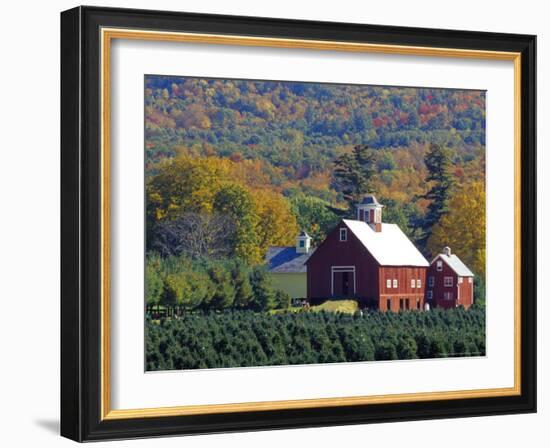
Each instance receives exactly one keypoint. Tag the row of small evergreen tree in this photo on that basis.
(243, 338)
(176, 284)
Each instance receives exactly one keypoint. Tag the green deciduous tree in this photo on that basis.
(235, 201)
(314, 216)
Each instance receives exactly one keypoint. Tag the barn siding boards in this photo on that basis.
(333, 253)
(404, 290)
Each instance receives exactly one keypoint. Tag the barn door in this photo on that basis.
(343, 281)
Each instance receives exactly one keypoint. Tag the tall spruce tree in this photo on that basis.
(438, 163)
(352, 174)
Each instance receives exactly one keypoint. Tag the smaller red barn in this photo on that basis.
(450, 282)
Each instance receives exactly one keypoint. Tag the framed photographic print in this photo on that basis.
(276, 224)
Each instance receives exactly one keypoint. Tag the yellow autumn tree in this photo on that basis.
(186, 184)
(463, 227)
(277, 224)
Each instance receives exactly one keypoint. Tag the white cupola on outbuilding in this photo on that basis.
(303, 243)
(369, 210)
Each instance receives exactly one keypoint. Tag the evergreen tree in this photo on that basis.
(211, 339)
(282, 299)
(406, 348)
(479, 291)
(385, 350)
(352, 174)
(172, 291)
(243, 289)
(438, 163)
(224, 291)
(153, 281)
(201, 289)
(264, 295)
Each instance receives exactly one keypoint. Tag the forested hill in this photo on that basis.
(301, 127)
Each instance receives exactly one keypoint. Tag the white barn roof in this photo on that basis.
(390, 247)
(456, 265)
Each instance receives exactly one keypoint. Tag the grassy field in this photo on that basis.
(331, 306)
(337, 306)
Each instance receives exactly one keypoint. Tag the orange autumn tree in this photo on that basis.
(463, 227)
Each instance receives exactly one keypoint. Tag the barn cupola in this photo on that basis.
(303, 243)
(369, 210)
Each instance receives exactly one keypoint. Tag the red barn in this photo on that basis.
(450, 282)
(370, 261)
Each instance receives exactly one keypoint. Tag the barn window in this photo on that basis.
(343, 234)
(448, 296)
(447, 281)
(431, 280)
(388, 283)
(459, 279)
(418, 283)
(439, 265)
(395, 283)
(412, 283)
(302, 243)
(401, 304)
(470, 279)
(417, 304)
(407, 304)
(429, 295)
(388, 304)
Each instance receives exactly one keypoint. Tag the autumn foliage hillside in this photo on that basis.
(300, 126)
(236, 166)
